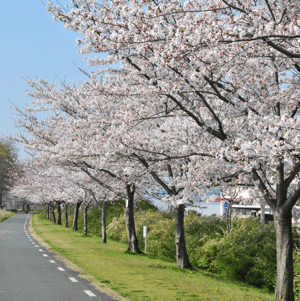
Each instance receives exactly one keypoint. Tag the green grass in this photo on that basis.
(5, 215)
(140, 277)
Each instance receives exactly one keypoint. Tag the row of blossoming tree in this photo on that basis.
(207, 96)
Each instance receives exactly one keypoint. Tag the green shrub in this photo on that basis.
(114, 210)
(297, 274)
(248, 253)
(116, 230)
(145, 218)
(199, 230)
(161, 239)
(161, 232)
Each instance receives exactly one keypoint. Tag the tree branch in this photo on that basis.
(270, 10)
(262, 187)
(154, 175)
(282, 50)
(292, 174)
(291, 201)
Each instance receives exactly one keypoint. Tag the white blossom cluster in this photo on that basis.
(206, 98)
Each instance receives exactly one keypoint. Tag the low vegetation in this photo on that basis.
(248, 253)
(4, 215)
(141, 276)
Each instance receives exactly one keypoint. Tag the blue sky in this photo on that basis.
(32, 45)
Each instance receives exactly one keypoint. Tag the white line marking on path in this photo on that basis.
(36, 246)
(40, 250)
(73, 279)
(45, 255)
(52, 261)
(61, 269)
(30, 239)
(33, 243)
(90, 293)
(26, 223)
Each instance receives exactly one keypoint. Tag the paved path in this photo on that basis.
(28, 272)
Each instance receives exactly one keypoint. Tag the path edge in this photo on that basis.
(71, 265)
(7, 219)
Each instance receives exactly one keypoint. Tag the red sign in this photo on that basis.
(219, 200)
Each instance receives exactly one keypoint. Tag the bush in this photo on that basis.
(116, 230)
(248, 253)
(114, 210)
(161, 234)
(147, 218)
(199, 230)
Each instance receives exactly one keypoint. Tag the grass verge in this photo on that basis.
(140, 277)
(4, 215)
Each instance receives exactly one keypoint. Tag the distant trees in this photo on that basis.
(9, 167)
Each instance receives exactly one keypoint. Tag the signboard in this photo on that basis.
(226, 205)
(145, 235)
(145, 231)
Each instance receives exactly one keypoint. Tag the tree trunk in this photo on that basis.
(85, 223)
(262, 213)
(228, 216)
(66, 215)
(181, 253)
(130, 227)
(48, 212)
(284, 246)
(104, 222)
(53, 213)
(58, 213)
(76, 212)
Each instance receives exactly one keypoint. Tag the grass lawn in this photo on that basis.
(5, 215)
(140, 277)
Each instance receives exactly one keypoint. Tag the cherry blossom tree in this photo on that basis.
(229, 66)
(72, 141)
(131, 140)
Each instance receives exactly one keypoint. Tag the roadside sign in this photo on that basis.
(145, 235)
(145, 231)
(226, 206)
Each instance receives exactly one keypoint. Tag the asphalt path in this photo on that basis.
(29, 272)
